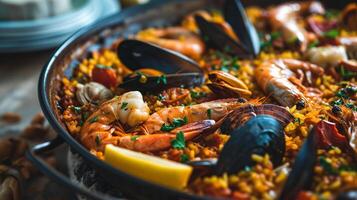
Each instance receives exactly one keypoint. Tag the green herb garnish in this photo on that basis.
(346, 74)
(184, 158)
(209, 113)
(124, 105)
(134, 137)
(176, 122)
(197, 95)
(162, 79)
(76, 109)
(179, 141)
(94, 119)
(160, 97)
(102, 66)
(313, 44)
(332, 33)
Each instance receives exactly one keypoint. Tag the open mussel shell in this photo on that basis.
(234, 14)
(217, 38)
(244, 113)
(301, 174)
(159, 83)
(137, 55)
(261, 135)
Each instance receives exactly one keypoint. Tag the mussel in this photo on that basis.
(246, 44)
(244, 113)
(301, 174)
(261, 135)
(178, 70)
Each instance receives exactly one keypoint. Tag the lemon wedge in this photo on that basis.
(154, 169)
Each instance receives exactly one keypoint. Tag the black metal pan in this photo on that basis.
(102, 34)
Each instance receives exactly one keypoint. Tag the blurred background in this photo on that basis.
(30, 31)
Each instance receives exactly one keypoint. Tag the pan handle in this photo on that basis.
(32, 155)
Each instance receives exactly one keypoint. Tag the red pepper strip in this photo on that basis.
(328, 136)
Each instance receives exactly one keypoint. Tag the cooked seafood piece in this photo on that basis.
(301, 174)
(277, 78)
(327, 56)
(128, 108)
(94, 93)
(242, 114)
(226, 85)
(349, 16)
(284, 18)
(261, 135)
(175, 38)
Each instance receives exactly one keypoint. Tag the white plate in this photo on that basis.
(20, 36)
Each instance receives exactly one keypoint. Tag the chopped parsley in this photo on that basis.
(313, 44)
(160, 97)
(184, 158)
(124, 105)
(162, 79)
(209, 113)
(273, 36)
(176, 122)
(179, 141)
(331, 14)
(97, 140)
(76, 109)
(332, 33)
(346, 74)
(197, 95)
(94, 119)
(102, 66)
(134, 137)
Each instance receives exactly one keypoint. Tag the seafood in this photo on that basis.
(260, 135)
(128, 108)
(175, 38)
(242, 114)
(302, 171)
(258, 111)
(227, 85)
(93, 92)
(284, 18)
(349, 16)
(162, 141)
(277, 78)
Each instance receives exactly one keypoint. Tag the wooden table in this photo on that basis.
(19, 75)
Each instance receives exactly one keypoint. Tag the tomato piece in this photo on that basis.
(105, 76)
(328, 135)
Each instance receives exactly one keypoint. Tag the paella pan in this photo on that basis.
(227, 102)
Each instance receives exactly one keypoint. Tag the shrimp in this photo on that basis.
(98, 131)
(214, 110)
(175, 38)
(284, 18)
(278, 79)
(162, 141)
(128, 108)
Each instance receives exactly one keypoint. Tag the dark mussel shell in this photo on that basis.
(301, 174)
(215, 36)
(154, 84)
(235, 15)
(137, 55)
(243, 114)
(261, 135)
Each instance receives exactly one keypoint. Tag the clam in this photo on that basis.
(177, 70)
(244, 113)
(239, 37)
(349, 16)
(261, 135)
(93, 93)
(301, 174)
(227, 85)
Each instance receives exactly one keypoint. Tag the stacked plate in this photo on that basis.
(30, 35)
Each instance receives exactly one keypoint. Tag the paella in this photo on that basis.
(243, 103)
